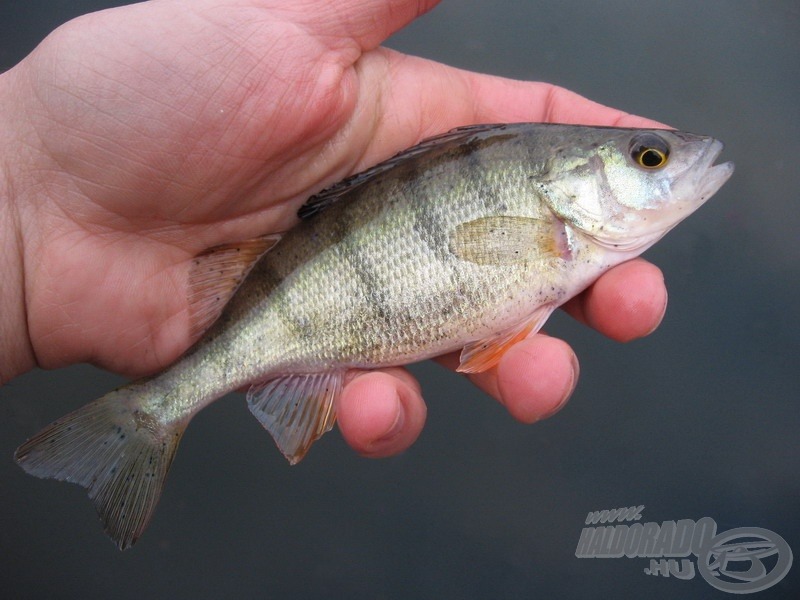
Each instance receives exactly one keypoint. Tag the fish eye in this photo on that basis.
(649, 151)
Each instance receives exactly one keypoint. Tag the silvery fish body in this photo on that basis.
(469, 240)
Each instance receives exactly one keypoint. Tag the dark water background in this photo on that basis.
(700, 419)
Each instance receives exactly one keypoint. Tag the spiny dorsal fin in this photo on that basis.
(329, 196)
(507, 240)
(481, 355)
(296, 409)
(216, 274)
(119, 454)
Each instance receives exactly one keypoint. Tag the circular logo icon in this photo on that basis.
(745, 560)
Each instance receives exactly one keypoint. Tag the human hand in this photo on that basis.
(139, 136)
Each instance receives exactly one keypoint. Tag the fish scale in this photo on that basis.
(467, 241)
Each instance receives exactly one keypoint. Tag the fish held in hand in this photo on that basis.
(468, 241)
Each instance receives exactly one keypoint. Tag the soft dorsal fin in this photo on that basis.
(507, 240)
(216, 274)
(296, 409)
(319, 202)
(481, 355)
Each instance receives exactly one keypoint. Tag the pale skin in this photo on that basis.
(137, 137)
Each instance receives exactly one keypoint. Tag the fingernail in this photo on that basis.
(576, 369)
(661, 316)
(394, 430)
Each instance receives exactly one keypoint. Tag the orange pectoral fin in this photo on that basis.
(482, 355)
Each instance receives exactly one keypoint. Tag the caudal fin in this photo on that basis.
(120, 454)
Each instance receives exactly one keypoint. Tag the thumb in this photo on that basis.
(366, 22)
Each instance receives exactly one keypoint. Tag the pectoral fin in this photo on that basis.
(507, 240)
(483, 354)
(216, 274)
(296, 409)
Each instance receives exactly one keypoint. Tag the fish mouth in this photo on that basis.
(692, 188)
(710, 176)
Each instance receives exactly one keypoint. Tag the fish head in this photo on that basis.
(626, 188)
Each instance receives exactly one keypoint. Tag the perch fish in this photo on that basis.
(468, 241)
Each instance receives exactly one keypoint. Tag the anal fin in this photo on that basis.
(296, 409)
(483, 354)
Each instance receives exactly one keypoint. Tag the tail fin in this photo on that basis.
(119, 453)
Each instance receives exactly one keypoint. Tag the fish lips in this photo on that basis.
(706, 177)
(713, 176)
(692, 188)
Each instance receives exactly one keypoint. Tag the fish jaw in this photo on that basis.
(709, 177)
(688, 192)
(624, 207)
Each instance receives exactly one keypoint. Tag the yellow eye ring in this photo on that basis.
(649, 151)
(651, 158)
